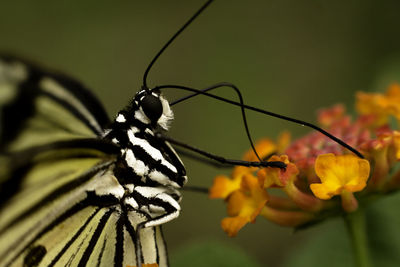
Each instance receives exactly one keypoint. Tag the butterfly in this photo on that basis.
(74, 184)
(79, 189)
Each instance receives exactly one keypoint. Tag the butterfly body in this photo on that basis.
(77, 189)
(148, 168)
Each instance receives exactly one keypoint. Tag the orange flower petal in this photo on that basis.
(380, 106)
(236, 202)
(232, 225)
(283, 142)
(264, 148)
(396, 144)
(240, 170)
(244, 205)
(269, 177)
(223, 186)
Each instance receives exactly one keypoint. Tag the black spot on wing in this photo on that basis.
(34, 256)
(68, 213)
(91, 200)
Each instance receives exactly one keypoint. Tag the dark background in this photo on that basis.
(290, 57)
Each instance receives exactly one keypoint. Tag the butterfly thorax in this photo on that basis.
(144, 159)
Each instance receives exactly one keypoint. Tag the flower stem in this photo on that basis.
(356, 226)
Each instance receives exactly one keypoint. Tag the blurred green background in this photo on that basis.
(290, 57)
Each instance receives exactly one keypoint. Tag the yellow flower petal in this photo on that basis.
(338, 173)
(322, 191)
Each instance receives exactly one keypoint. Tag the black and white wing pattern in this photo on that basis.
(67, 197)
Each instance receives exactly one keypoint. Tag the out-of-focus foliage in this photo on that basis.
(330, 245)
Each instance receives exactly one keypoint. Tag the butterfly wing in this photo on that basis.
(42, 107)
(59, 198)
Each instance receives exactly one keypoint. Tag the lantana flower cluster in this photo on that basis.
(322, 179)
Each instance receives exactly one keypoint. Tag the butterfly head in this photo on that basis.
(153, 108)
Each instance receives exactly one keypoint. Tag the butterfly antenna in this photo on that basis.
(244, 106)
(144, 86)
(246, 126)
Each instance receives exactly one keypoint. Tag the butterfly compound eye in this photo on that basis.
(152, 107)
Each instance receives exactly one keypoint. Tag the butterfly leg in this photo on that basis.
(274, 164)
(160, 204)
